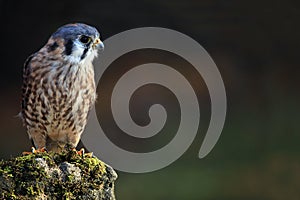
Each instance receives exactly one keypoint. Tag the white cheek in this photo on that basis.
(91, 54)
(75, 56)
(77, 52)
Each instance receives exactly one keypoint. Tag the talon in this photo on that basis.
(90, 154)
(42, 150)
(25, 153)
(33, 150)
(81, 152)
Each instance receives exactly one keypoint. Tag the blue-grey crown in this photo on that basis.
(71, 31)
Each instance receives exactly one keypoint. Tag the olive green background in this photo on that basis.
(255, 45)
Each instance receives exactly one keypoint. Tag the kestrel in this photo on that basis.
(59, 88)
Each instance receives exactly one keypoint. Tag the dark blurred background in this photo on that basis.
(255, 45)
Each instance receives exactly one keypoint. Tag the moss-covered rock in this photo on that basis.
(56, 176)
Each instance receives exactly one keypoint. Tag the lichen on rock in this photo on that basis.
(66, 175)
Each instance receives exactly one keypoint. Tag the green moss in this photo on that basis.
(56, 176)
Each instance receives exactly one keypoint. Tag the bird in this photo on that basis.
(58, 88)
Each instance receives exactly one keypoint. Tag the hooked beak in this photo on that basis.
(98, 44)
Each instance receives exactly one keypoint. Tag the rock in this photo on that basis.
(56, 176)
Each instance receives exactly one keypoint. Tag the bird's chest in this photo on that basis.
(68, 96)
(77, 90)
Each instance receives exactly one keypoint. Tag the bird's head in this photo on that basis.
(80, 42)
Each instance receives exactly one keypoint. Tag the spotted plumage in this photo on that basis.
(58, 87)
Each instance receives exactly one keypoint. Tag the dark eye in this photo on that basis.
(84, 39)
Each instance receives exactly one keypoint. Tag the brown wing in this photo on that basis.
(25, 92)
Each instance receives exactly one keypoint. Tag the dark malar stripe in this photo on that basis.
(84, 53)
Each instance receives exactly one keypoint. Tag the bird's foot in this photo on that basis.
(35, 151)
(82, 153)
(40, 150)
